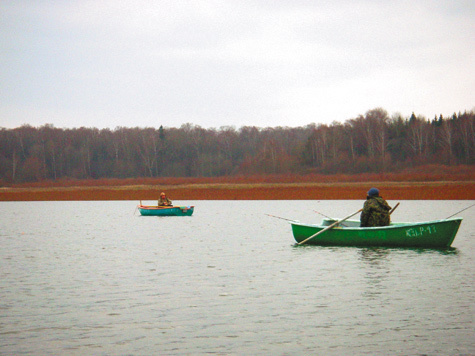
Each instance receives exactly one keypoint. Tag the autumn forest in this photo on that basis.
(370, 143)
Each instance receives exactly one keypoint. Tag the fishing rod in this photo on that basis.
(460, 211)
(278, 217)
(328, 217)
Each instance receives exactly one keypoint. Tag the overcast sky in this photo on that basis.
(234, 63)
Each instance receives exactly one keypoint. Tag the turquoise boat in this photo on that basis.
(147, 210)
(430, 234)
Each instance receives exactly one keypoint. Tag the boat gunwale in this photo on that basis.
(154, 207)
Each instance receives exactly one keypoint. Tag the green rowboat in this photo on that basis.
(429, 234)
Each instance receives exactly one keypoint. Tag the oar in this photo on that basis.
(137, 207)
(395, 206)
(329, 227)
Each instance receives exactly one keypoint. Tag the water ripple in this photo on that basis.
(226, 281)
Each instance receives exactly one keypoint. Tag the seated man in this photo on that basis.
(164, 201)
(375, 210)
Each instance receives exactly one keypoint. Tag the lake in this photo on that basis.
(96, 278)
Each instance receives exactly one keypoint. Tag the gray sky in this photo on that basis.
(235, 63)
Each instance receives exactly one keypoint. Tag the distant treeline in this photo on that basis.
(372, 143)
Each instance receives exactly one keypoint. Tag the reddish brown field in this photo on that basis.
(424, 183)
(445, 190)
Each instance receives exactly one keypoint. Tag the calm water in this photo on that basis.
(95, 278)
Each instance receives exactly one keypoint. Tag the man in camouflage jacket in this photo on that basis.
(375, 210)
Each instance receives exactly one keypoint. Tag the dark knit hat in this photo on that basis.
(373, 192)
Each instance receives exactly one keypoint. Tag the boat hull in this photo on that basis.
(166, 210)
(431, 234)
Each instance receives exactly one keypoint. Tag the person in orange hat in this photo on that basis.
(163, 200)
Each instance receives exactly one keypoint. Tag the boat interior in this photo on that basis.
(346, 223)
(355, 223)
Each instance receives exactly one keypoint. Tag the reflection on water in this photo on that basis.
(92, 278)
(373, 256)
(376, 269)
(443, 251)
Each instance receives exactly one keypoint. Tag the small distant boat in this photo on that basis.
(429, 234)
(148, 210)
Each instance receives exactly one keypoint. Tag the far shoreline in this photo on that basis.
(433, 190)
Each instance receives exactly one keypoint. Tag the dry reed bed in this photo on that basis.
(443, 190)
